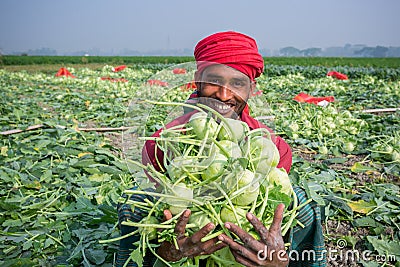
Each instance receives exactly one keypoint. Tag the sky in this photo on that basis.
(147, 25)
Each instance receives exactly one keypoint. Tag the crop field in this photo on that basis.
(68, 145)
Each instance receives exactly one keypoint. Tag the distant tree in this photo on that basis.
(393, 51)
(311, 52)
(42, 52)
(364, 52)
(378, 51)
(289, 51)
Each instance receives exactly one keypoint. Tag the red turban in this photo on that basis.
(230, 48)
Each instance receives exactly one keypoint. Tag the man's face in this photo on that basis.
(224, 89)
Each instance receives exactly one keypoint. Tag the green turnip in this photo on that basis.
(185, 196)
(227, 215)
(264, 154)
(279, 176)
(228, 148)
(202, 124)
(216, 167)
(244, 179)
(233, 130)
(200, 219)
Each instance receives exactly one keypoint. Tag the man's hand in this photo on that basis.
(268, 251)
(188, 246)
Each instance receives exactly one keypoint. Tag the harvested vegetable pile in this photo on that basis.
(219, 169)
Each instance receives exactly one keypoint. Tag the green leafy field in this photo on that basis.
(60, 182)
(8, 60)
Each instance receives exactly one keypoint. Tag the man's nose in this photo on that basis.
(224, 93)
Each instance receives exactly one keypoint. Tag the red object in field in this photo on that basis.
(337, 75)
(157, 82)
(64, 72)
(189, 86)
(179, 71)
(305, 98)
(114, 79)
(119, 68)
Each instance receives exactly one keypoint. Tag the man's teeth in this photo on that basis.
(222, 107)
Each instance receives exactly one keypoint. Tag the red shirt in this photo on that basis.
(148, 152)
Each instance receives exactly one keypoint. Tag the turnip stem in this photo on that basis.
(293, 215)
(211, 236)
(190, 175)
(119, 237)
(143, 239)
(231, 206)
(175, 243)
(253, 206)
(153, 225)
(132, 192)
(174, 104)
(302, 204)
(149, 202)
(161, 166)
(223, 150)
(138, 204)
(265, 203)
(182, 140)
(217, 217)
(259, 132)
(188, 150)
(202, 146)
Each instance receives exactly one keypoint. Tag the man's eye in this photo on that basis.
(214, 81)
(238, 84)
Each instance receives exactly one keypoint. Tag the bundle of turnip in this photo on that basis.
(219, 169)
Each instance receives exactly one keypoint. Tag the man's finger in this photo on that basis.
(212, 245)
(181, 224)
(248, 240)
(277, 221)
(167, 215)
(196, 237)
(240, 251)
(258, 226)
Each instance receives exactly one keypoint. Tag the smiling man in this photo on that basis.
(227, 65)
(228, 57)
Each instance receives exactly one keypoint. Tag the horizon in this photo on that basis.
(348, 50)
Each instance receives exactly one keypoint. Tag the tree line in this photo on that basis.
(345, 51)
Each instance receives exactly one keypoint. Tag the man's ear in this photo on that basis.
(253, 87)
(197, 79)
